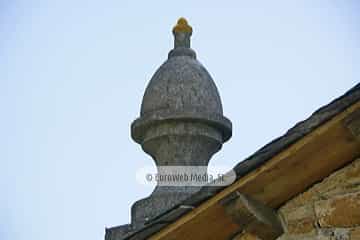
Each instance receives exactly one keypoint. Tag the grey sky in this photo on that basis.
(72, 75)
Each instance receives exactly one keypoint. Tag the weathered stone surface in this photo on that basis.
(329, 210)
(245, 236)
(321, 234)
(334, 233)
(179, 83)
(315, 214)
(355, 234)
(302, 237)
(300, 220)
(339, 211)
(253, 216)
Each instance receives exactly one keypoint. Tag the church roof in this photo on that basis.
(283, 168)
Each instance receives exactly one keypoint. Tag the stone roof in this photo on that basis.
(260, 157)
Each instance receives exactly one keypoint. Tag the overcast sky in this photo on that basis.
(72, 76)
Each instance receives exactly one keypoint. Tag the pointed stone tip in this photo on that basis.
(182, 26)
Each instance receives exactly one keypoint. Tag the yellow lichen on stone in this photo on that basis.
(182, 26)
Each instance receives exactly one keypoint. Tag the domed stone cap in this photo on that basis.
(181, 89)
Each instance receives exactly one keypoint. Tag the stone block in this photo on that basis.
(339, 211)
(355, 234)
(253, 216)
(245, 236)
(300, 220)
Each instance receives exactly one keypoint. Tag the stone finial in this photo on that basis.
(181, 122)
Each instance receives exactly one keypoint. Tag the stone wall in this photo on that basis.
(329, 210)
